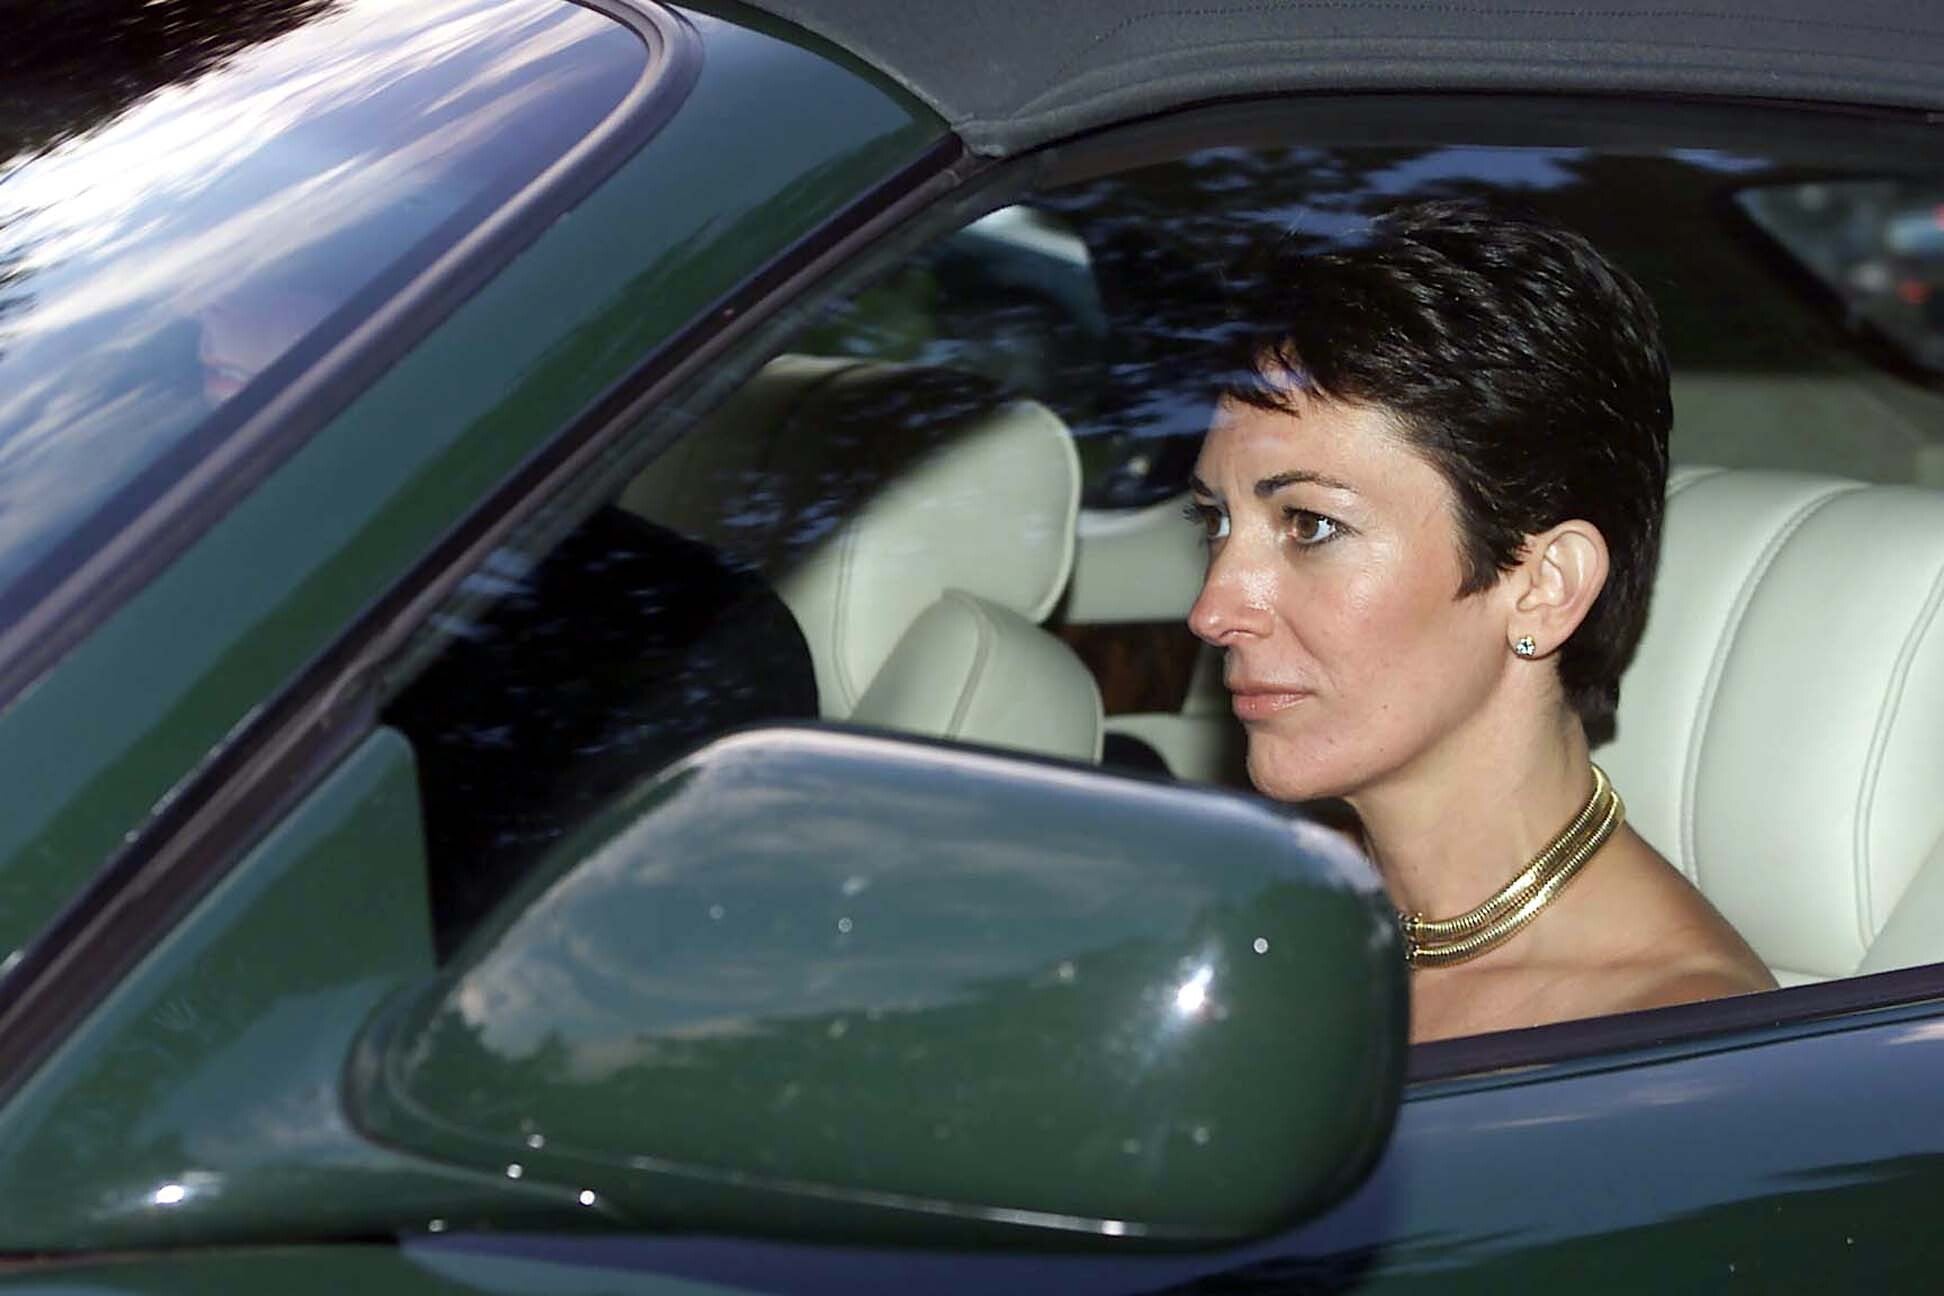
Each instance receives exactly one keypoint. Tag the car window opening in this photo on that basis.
(884, 442)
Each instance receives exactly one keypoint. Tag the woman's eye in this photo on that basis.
(1307, 528)
(1213, 521)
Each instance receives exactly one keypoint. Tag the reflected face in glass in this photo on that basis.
(1332, 588)
(241, 336)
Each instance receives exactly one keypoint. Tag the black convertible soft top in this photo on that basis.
(1010, 74)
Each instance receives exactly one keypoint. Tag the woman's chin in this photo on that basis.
(1285, 776)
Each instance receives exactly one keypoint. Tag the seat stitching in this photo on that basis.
(1704, 707)
(1870, 954)
(839, 639)
(981, 651)
(846, 548)
(1879, 745)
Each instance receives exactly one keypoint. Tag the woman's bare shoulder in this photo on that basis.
(1677, 948)
(1695, 985)
(1634, 935)
(1698, 954)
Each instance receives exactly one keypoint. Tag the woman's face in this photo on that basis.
(1333, 573)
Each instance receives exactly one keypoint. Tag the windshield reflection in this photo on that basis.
(159, 263)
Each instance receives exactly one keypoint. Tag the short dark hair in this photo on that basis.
(1516, 359)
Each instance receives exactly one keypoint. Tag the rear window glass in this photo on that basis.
(169, 259)
(1875, 245)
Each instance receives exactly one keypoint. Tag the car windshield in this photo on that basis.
(173, 252)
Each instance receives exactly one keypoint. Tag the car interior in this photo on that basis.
(963, 483)
(923, 598)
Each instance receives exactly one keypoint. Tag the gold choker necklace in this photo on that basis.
(1438, 942)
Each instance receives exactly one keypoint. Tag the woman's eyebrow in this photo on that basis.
(1270, 485)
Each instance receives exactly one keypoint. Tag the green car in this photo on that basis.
(593, 689)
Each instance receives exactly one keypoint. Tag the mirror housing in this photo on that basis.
(812, 981)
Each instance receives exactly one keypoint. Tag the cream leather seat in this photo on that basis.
(918, 534)
(1781, 731)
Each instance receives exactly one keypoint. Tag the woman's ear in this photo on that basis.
(1559, 575)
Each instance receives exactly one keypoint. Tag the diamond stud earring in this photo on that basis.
(1525, 647)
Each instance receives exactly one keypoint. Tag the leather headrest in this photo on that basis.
(1779, 730)
(972, 672)
(864, 491)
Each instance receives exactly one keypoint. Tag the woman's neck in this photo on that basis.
(1451, 829)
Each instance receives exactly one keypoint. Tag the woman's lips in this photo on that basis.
(1261, 703)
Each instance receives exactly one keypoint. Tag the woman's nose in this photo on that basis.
(1231, 604)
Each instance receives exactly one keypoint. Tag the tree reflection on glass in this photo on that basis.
(65, 77)
(1109, 301)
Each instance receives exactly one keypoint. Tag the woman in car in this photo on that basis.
(1432, 495)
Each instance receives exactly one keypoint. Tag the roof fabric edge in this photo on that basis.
(1010, 75)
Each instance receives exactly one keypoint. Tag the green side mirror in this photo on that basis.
(815, 981)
